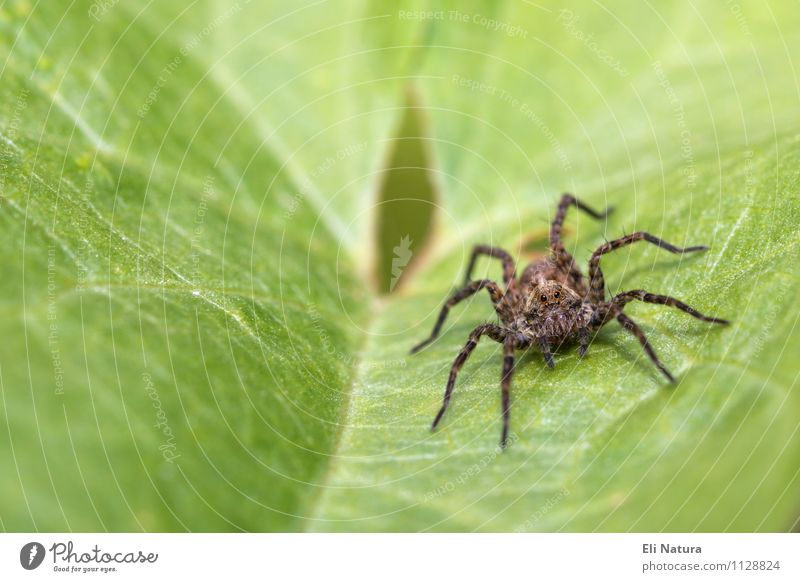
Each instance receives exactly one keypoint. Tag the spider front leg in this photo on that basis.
(509, 269)
(495, 332)
(494, 293)
(596, 280)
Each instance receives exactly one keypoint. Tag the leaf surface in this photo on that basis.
(188, 202)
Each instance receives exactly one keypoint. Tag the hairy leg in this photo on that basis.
(509, 268)
(494, 293)
(493, 331)
(583, 341)
(505, 387)
(547, 352)
(596, 280)
(628, 324)
(562, 258)
(640, 295)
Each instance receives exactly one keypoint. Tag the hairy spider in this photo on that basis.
(550, 304)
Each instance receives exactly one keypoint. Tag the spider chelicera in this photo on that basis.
(550, 304)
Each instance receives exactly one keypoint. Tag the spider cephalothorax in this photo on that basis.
(550, 304)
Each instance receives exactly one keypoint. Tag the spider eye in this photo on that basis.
(557, 295)
(543, 298)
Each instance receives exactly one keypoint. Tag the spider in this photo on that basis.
(551, 304)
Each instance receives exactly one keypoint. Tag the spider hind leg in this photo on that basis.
(561, 256)
(509, 268)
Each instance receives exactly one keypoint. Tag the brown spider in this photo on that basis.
(551, 304)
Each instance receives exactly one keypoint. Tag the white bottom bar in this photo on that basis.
(406, 557)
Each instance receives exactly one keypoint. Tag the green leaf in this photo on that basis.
(188, 199)
(176, 272)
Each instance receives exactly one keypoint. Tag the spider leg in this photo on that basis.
(628, 324)
(583, 341)
(596, 281)
(494, 293)
(505, 387)
(563, 259)
(495, 332)
(640, 295)
(509, 269)
(547, 352)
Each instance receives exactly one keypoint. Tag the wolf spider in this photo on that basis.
(551, 304)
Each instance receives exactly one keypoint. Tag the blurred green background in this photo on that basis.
(207, 300)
